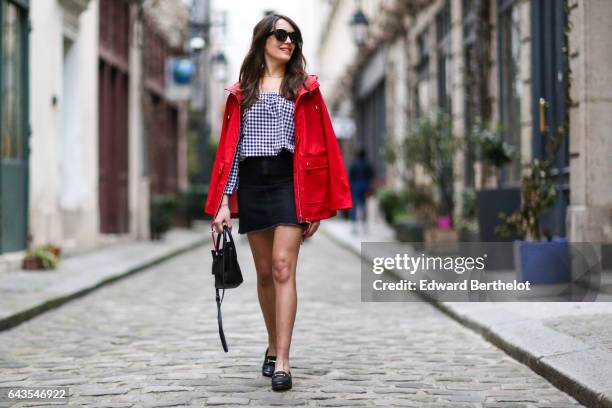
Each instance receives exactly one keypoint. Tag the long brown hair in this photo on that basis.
(253, 65)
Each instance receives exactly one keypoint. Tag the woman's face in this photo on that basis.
(280, 51)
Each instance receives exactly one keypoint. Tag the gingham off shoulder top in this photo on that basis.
(266, 128)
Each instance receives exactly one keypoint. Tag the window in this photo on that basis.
(12, 81)
(422, 68)
(510, 87)
(443, 30)
(444, 81)
(471, 87)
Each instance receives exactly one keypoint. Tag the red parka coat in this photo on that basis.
(320, 180)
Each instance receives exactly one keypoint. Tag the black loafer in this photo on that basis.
(267, 368)
(281, 380)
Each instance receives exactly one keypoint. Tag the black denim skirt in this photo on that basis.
(265, 192)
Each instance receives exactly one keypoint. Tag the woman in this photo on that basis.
(279, 170)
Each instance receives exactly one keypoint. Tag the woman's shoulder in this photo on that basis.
(234, 87)
(311, 80)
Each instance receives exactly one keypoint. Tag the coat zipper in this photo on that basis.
(231, 163)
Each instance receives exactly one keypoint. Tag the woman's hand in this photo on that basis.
(223, 216)
(312, 228)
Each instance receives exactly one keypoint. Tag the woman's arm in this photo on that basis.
(232, 183)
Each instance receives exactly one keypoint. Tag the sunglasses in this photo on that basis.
(281, 35)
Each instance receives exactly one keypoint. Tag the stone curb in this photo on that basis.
(28, 313)
(556, 360)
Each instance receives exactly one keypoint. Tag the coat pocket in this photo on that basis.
(316, 179)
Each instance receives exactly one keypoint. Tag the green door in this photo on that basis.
(14, 125)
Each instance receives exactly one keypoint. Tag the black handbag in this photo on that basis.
(226, 270)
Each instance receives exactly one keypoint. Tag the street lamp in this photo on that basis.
(359, 26)
(197, 44)
(219, 66)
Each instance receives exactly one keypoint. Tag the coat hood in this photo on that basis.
(310, 84)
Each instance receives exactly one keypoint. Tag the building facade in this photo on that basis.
(76, 153)
(526, 65)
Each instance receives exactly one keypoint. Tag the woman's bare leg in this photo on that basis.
(261, 248)
(285, 252)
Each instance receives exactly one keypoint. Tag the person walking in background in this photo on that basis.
(279, 183)
(360, 177)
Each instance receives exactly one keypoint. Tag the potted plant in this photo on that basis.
(189, 205)
(162, 209)
(540, 258)
(495, 153)
(389, 203)
(432, 144)
(494, 150)
(417, 213)
(41, 257)
(53, 248)
(467, 225)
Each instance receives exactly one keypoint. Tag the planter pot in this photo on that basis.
(489, 203)
(543, 262)
(441, 241)
(468, 236)
(408, 231)
(444, 222)
(31, 264)
(436, 235)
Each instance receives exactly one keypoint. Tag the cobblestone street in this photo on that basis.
(151, 340)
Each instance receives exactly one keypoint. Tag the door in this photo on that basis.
(14, 126)
(113, 116)
(113, 154)
(549, 64)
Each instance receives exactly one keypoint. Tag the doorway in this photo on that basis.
(549, 73)
(14, 127)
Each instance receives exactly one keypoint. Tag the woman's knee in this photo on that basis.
(282, 269)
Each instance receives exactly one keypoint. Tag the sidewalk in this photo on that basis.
(25, 294)
(570, 344)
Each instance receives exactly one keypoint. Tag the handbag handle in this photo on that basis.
(215, 244)
(220, 320)
(227, 233)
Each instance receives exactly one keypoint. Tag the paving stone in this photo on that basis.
(99, 392)
(505, 405)
(179, 402)
(341, 403)
(66, 381)
(390, 402)
(394, 390)
(416, 385)
(282, 402)
(162, 389)
(232, 401)
(339, 389)
(231, 388)
(183, 376)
